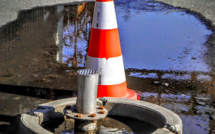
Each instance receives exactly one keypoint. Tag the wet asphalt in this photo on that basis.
(9, 9)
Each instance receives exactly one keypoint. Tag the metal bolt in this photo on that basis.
(102, 112)
(79, 115)
(93, 115)
(101, 107)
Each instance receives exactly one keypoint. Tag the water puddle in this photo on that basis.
(163, 51)
(172, 41)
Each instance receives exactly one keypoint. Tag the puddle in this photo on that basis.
(195, 124)
(163, 50)
(164, 40)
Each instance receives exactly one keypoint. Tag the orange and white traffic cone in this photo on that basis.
(104, 52)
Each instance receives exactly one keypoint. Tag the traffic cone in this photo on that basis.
(104, 52)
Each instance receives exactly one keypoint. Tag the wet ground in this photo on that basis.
(108, 125)
(166, 54)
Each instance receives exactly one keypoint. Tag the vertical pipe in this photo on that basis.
(87, 91)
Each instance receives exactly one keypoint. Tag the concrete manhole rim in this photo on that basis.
(31, 122)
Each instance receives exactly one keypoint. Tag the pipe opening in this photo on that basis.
(87, 72)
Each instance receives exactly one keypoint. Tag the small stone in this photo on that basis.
(201, 103)
(208, 129)
(198, 124)
(156, 82)
(212, 85)
(16, 98)
(193, 58)
(212, 117)
(52, 76)
(165, 84)
(35, 75)
(190, 87)
(209, 111)
(202, 98)
(204, 91)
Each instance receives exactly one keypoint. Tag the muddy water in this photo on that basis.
(163, 50)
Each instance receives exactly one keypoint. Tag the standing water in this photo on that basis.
(163, 49)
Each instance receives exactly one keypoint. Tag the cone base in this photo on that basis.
(131, 95)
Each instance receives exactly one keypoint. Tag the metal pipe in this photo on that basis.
(87, 91)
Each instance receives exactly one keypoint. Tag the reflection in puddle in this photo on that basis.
(161, 40)
(192, 124)
(176, 98)
(181, 77)
(181, 98)
(149, 75)
(172, 75)
(73, 30)
(195, 124)
(204, 78)
(178, 108)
